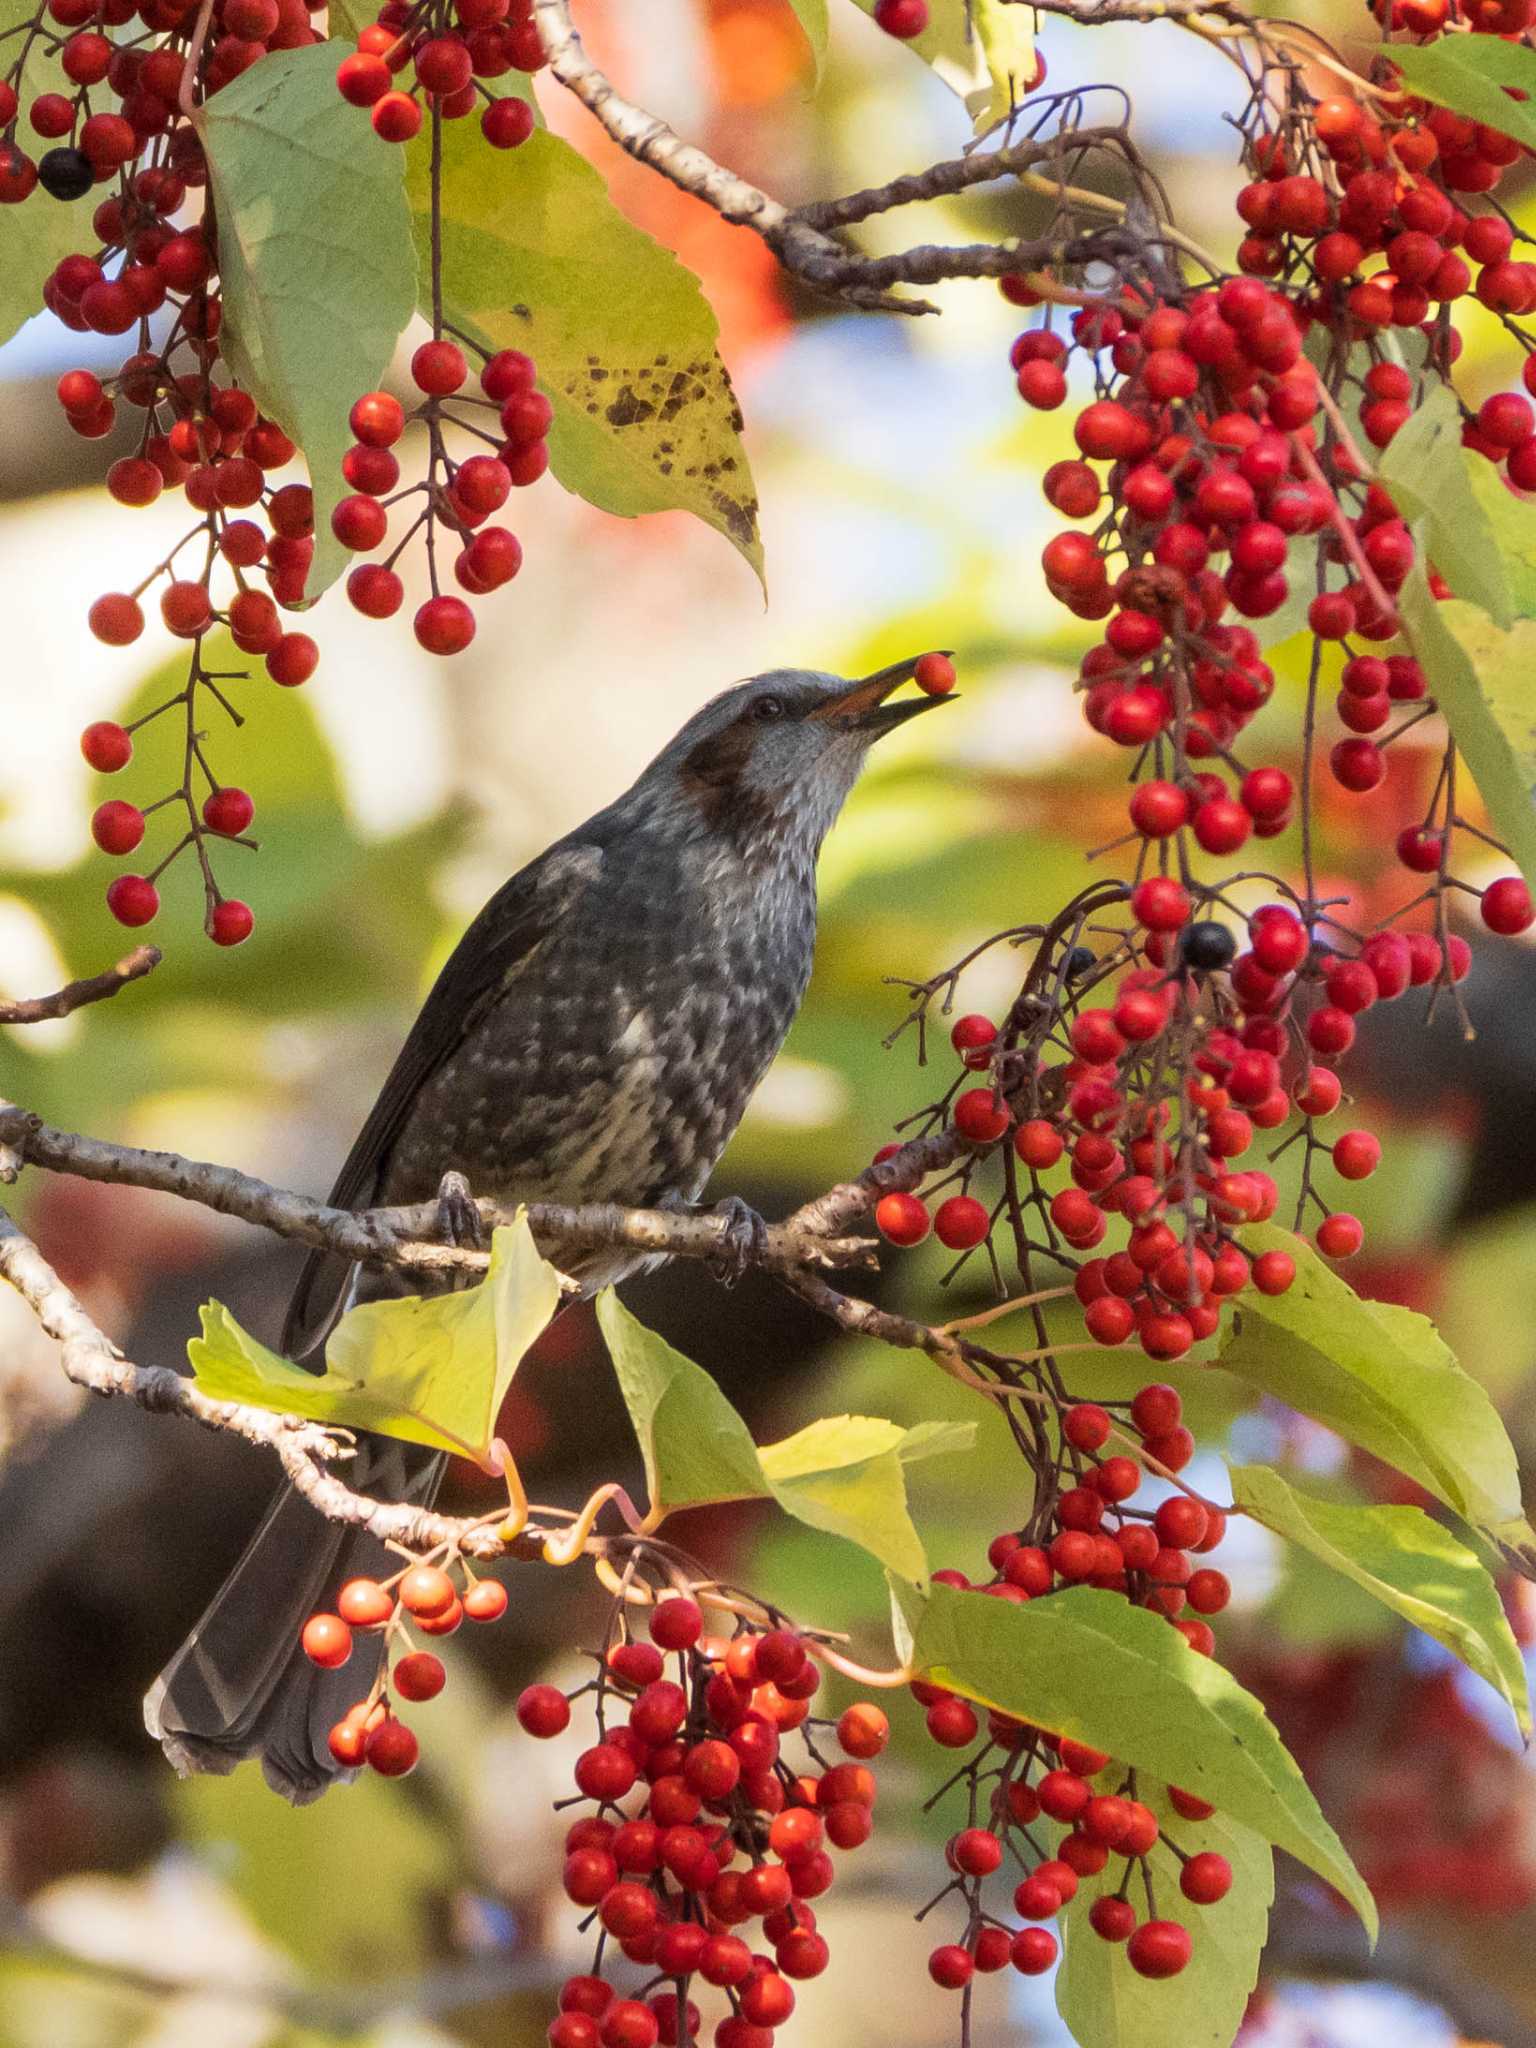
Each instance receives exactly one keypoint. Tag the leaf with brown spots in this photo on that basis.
(536, 256)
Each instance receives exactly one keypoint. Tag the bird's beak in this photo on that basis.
(862, 708)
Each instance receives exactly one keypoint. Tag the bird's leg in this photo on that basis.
(458, 1219)
(743, 1240)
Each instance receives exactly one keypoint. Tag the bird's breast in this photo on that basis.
(617, 1063)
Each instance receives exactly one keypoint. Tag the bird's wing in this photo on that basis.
(501, 941)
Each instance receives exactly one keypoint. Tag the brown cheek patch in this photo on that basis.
(715, 777)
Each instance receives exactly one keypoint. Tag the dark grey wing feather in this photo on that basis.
(505, 935)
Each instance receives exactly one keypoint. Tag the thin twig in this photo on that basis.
(94, 988)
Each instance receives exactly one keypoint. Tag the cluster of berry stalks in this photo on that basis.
(1218, 467)
(698, 1827)
(196, 433)
(118, 115)
(459, 494)
(1083, 1531)
(453, 46)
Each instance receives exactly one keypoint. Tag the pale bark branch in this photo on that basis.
(94, 988)
(800, 237)
(816, 1236)
(405, 1236)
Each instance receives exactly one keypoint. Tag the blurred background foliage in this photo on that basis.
(899, 481)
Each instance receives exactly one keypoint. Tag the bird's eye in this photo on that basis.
(768, 707)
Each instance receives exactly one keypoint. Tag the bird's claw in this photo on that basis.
(458, 1219)
(743, 1240)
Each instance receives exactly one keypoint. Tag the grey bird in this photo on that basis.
(595, 1037)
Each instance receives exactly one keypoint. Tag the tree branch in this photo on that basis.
(75, 995)
(406, 1236)
(815, 1236)
(799, 237)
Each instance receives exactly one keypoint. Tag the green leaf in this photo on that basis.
(1428, 473)
(954, 52)
(1409, 1562)
(316, 261)
(1103, 2000)
(41, 232)
(1514, 534)
(536, 256)
(1006, 29)
(812, 17)
(1468, 74)
(1384, 1379)
(345, 20)
(431, 1370)
(1089, 1665)
(841, 1475)
(1480, 678)
(696, 1448)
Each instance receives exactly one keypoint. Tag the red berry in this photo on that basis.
(1340, 1236)
(961, 1223)
(952, 1723)
(327, 1641)
(392, 1749)
(1159, 1948)
(542, 1710)
(426, 1591)
(507, 123)
(439, 368)
(1086, 1426)
(375, 591)
(902, 18)
(228, 812)
(230, 922)
(863, 1730)
(1356, 1155)
(486, 1600)
(1160, 903)
(293, 660)
(676, 1624)
(1273, 1272)
(1034, 1951)
(934, 674)
(133, 899)
(1112, 1919)
(420, 1676)
(117, 827)
(1507, 907)
(106, 746)
(364, 1603)
(117, 619)
(902, 1219)
(396, 118)
(444, 625)
(361, 79)
(359, 523)
(980, 1116)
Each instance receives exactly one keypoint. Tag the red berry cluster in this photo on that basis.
(451, 49)
(197, 432)
(420, 1596)
(701, 1828)
(459, 493)
(245, 558)
(143, 79)
(1084, 1531)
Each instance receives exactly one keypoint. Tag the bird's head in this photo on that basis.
(772, 760)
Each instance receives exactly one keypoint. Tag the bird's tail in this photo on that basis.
(240, 1685)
